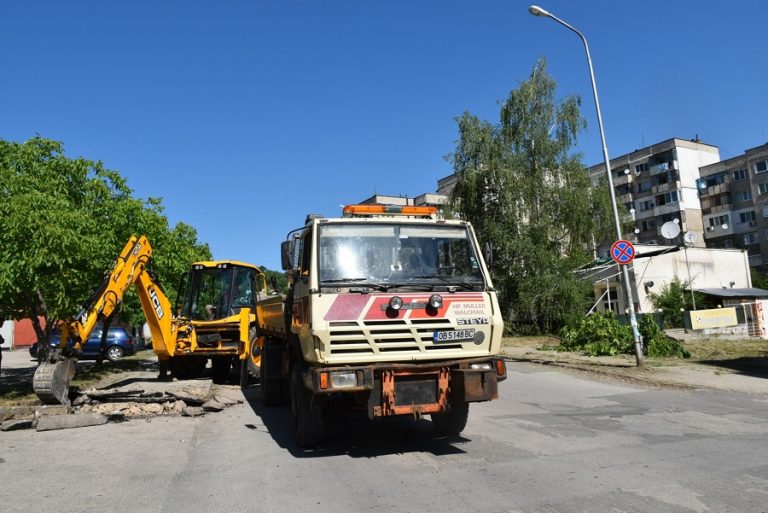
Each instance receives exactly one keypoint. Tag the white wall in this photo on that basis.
(7, 332)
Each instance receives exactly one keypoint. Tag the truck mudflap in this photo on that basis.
(407, 389)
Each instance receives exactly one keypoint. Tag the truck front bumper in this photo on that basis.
(403, 389)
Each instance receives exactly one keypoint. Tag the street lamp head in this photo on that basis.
(537, 11)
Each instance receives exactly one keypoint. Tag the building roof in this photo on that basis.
(745, 292)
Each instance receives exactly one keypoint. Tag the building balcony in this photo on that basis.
(622, 179)
(755, 260)
(714, 190)
(624, 198)
(714, 232)
(716, 209)
(669, 208)
(666, 187)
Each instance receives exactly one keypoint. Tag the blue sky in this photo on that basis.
(244, 116)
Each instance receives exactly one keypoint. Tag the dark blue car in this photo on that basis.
(119, 344)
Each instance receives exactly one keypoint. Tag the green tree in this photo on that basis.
(63, 221)
(673, 300)
(529, 197)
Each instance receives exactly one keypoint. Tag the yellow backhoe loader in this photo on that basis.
(214, 318)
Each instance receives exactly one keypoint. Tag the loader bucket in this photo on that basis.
(51, 381)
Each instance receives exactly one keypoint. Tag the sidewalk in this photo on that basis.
(745, 375)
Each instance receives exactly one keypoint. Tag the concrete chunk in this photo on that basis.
(13, 425)
(213, 406)
(51, 422)
(192, 411)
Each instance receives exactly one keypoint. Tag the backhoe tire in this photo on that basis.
(453, 421)
(307, 412)
(187, 367)
(271, 374)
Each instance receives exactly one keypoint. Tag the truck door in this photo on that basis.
(302, 286)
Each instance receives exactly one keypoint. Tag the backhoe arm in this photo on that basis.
(52, 377)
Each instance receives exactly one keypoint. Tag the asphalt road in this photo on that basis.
(553, 443)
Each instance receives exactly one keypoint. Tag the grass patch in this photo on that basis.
(716, 349)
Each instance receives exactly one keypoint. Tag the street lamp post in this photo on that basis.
(538, 11)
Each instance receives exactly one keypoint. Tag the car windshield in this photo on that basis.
(382, 256)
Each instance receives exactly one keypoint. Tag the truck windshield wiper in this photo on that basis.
(359, 282)
(451, 282)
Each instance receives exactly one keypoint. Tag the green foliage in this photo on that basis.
(63, 222)
(530, 198)
(673, 300)
(597, 335)
(759, 279)
(603, 335)
(656, 343)
(279, 278)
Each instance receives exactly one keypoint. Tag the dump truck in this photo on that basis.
(213, 319)
(389, 310)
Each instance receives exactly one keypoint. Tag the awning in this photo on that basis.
(745, 292)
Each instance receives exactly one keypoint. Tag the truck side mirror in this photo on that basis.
(286, 254)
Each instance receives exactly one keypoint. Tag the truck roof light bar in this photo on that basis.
(388, 210)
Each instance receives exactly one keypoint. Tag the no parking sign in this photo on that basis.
(622, 252)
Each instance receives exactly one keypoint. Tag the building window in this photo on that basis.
(639, 168)
(643, 186)
(727, 243)
(669, 197)
(747, 195)
(646, 205)
(762, 188)
(761, 166)
(647, 226)
(750, 238)
(739, 175)
(746, 217)
(718, 220)
(765, 212)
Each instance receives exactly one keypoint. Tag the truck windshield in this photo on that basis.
(397, 255)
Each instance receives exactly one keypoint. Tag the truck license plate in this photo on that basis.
(448, 336)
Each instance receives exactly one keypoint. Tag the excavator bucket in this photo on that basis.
(51, 381)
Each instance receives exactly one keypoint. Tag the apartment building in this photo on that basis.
(657, 185)
(734, 204)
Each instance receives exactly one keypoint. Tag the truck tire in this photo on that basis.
(187, 367)
(250, 366)
(271, 363)
(307, 413)
(453, 421)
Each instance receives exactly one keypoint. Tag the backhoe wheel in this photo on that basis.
(254, 358)
(187, 367)
(270, 374)
(453, 421)
(307, 412)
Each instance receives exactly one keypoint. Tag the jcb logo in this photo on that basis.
(155, 302)
(136, 248)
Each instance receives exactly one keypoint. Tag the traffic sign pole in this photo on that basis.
(623, 253)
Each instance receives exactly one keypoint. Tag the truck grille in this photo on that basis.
(383, 337)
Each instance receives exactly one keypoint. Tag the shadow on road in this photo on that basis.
(353, 434)
(755, 366)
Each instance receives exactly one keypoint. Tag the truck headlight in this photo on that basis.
(435, 301)
(396, 303)
(343, 379)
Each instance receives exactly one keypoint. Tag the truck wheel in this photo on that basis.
(187, 367)
(453, 421)
(307, 413)
(270, 374)
(254, 359)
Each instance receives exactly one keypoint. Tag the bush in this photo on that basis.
(603, 335)
(597, 335)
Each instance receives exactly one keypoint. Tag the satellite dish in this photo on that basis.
(690, 238)
(670, 230)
